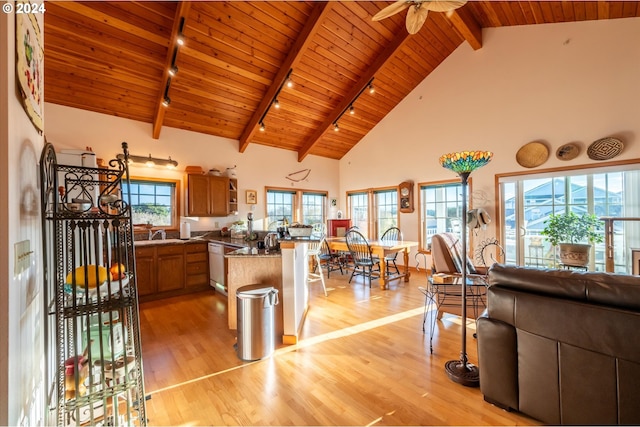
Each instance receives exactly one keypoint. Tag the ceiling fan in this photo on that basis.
(418, 10)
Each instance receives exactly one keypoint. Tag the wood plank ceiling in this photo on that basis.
(114, 58)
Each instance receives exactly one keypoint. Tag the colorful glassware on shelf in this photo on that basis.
(465, 161)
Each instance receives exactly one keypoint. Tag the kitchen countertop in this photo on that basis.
(246, 252)
(137, 243)
(224, 240)
(227, 241)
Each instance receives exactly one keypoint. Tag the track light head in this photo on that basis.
(371, 88)
(276, 104)
(166, 101)
(262, 128)
(352, 110)
(335, 127)
(173, 70)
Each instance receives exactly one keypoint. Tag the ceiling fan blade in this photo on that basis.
(416, 15)
(392, 9)
(444, 5)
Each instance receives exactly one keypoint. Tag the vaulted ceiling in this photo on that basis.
(114, 58)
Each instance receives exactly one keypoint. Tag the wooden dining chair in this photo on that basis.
(332, 260)
(392, 233)
(365, 263)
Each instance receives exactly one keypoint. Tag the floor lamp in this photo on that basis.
(463, 163)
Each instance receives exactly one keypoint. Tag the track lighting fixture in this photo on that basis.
(180, 37)
(150, 161)
(173, 69)
(274, 101)
(371, 88)
(166, 101)
(350, 107)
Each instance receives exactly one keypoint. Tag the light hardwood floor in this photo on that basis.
(362, 360)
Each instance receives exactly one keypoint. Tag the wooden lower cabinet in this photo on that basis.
(170, 267)
(197, 266)
(166, 270)
(146, 271)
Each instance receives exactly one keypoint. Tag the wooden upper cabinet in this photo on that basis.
(219, 190)
(207, 195)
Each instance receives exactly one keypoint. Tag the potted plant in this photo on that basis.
(574, 234)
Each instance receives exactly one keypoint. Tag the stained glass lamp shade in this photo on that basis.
(463, 163)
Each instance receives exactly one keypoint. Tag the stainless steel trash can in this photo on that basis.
(256, 321)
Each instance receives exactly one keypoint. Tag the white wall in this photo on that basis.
(21, 305)
(557, 83)
(257, 167)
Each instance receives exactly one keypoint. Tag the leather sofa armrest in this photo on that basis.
(498, 360)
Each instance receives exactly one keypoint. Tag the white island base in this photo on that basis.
(286, 271)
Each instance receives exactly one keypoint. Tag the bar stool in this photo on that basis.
(313, 255)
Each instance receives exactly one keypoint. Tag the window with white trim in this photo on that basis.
(374, 210)
(303, 206)
(440, 209)
(528, 200)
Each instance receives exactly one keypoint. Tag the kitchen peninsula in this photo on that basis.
(173, 267)
(286, 270)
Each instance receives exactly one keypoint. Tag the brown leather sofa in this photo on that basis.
(562, 346)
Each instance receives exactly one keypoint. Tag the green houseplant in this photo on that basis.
(574, 234)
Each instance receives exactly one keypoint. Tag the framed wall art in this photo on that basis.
(252, 197)
(29, 66)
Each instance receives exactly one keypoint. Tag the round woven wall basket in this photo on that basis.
(532, 154)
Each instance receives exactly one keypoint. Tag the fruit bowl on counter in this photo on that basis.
(300, 230)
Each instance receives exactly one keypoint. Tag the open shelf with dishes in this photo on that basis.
(93, 366)
(233, 195)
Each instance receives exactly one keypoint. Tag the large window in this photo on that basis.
(280, 205)
(386, 210)
(440, 209)
(153, 201)
(373, 211)
(527, 201)
(303, 206)
(313, 207)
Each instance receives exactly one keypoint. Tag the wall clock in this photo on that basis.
(405, 190)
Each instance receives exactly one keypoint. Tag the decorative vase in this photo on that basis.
(574, 254)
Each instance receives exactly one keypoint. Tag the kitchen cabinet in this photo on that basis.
(197, 266)
(209, 195)
(170, 267)
(166, 269)
(146, 271)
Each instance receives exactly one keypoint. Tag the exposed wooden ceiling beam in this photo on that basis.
(182, 10)
(464, 22)
(311, 27)
(356, 89)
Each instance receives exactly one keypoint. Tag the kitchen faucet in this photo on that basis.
(162, 233)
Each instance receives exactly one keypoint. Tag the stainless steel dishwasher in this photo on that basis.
(216, 267)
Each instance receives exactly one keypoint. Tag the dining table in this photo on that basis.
(381, 248)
